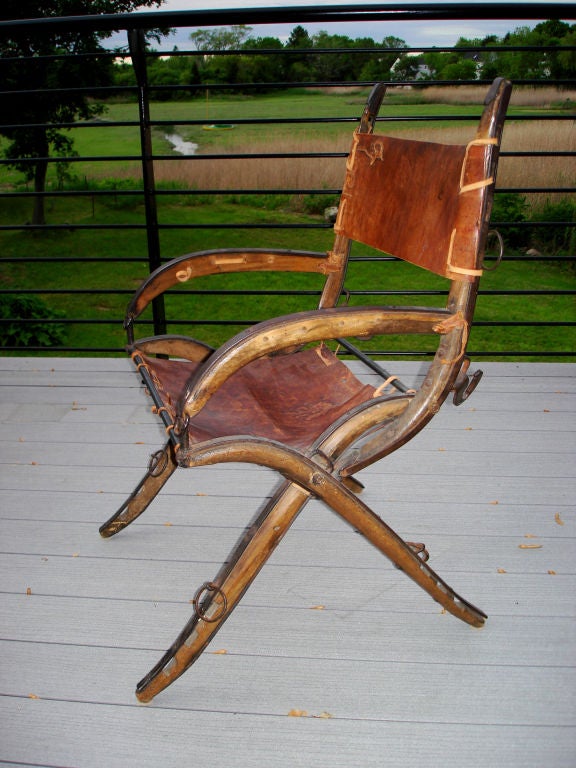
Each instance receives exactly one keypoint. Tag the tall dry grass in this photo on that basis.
(525, 96)
(314, 173)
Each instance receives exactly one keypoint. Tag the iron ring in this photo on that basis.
(209, 586)
(498, 236)
(158, 463)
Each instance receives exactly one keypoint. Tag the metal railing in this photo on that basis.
(32, 273)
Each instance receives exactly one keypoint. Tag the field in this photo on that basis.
(297, 218)
(397, 117)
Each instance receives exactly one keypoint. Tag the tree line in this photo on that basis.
(224, 56)
(233, 56)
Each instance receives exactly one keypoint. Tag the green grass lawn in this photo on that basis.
(107, 285)
(110, 284)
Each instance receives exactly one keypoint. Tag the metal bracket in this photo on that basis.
(465, 384)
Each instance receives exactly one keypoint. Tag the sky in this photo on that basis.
(415, 33)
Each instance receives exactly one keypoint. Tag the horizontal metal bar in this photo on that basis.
(137, 158)
(239, 192)
(388, 11)
(73, 259)
(555, 116)
(379, 50)
(170, 192)
(407, 292)
(67, 291)
(180, 53)
(289, 84)
(522, 257)
(62, 321)
(223, 226)
(300, 14)
(521, 353)
(272, 155)
(95, 227)
(117, 322)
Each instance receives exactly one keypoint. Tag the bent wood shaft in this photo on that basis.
(300, 328)
(391, 434)
(307, 479)
(228, 260)
(321, 484)
(174, 345)
(162, 466)
(427, 400)
(232, 582)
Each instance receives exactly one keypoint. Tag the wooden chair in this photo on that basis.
(277, 396)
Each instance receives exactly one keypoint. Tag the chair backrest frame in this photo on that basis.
(424, 202)
(472, 219)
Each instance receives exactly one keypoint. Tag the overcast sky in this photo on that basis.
(415, 33)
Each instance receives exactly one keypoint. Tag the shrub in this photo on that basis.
(512, 207)
(24, 322)
(560, 239)
(317, 204)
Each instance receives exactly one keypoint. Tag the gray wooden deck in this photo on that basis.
(329, 629)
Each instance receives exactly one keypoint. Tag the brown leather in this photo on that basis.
(289, 398)
(401, 196)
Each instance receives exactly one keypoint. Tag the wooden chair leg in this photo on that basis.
(162, 465)
(306, 473)
(216, 600)
(411, 558)
(407, 556)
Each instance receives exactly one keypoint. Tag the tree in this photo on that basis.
(331, 67)
(534, 62)
(220, 69)
(262, 68)
(382, 66)
(28, 118)
(406, 68)
(297, 65)
(225, 39)
(567, 59)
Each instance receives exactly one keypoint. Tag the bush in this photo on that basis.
(556, 240)
(511, 207)
(112, 187)
(317, 204)
(24, 322)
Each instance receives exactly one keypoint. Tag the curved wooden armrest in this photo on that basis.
(220, 261)
(173, 345)
(292, 330)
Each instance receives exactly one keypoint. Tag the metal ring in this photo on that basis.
(158, 463)
(209, 586)
(494, 232)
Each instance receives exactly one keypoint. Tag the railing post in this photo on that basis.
(136, 41)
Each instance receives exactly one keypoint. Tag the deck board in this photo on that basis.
(329, 627)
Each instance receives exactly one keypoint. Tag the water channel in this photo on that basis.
(180, 145)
